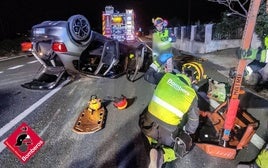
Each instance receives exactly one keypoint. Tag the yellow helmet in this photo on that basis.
(196, 69)
(159, 20)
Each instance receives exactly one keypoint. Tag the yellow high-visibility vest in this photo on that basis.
(160, 45)
(262, 159)
(172, 98)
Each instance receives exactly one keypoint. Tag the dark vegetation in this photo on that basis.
(12, 45)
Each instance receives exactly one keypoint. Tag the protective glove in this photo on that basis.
(164, 39)
(240, 53)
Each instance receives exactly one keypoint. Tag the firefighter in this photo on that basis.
(260, 162)
(162, 38)
(257, 70)
(172, 115)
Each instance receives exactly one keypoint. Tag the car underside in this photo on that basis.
(66, 48)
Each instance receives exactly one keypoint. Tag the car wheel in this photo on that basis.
(79, 28)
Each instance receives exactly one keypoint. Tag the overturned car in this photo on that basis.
(67, 48)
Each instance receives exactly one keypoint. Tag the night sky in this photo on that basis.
(21, 15)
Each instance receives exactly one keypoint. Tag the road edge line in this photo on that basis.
(26, 112)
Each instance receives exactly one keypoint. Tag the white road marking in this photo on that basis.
(31, 62)
(2, 145)
(25, 113)
(12, 57)
(257, 141)
(15, 67)
(18, 66)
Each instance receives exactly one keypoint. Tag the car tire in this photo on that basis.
(79, 28)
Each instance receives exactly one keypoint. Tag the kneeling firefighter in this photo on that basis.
(172, 114)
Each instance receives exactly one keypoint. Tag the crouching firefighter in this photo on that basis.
(171, 116)
(257, 69)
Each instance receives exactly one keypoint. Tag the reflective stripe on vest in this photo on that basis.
(172, 98)
(171, 108)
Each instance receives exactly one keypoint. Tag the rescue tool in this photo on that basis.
(120, 102)
(92, 118)
(233, 126)
(245, 46)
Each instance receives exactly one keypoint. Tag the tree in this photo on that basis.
(236, 7)
(262, 21)
(240, 8)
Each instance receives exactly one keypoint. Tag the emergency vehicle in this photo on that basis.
(119, 26)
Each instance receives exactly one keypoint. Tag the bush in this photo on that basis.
(231, 27)
(262, 24)
(11, 46)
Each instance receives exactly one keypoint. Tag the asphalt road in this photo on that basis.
(119, 144)
(13, 98)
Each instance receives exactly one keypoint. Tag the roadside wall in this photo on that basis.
(193, 41)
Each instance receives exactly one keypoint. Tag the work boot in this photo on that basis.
(156, 158)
